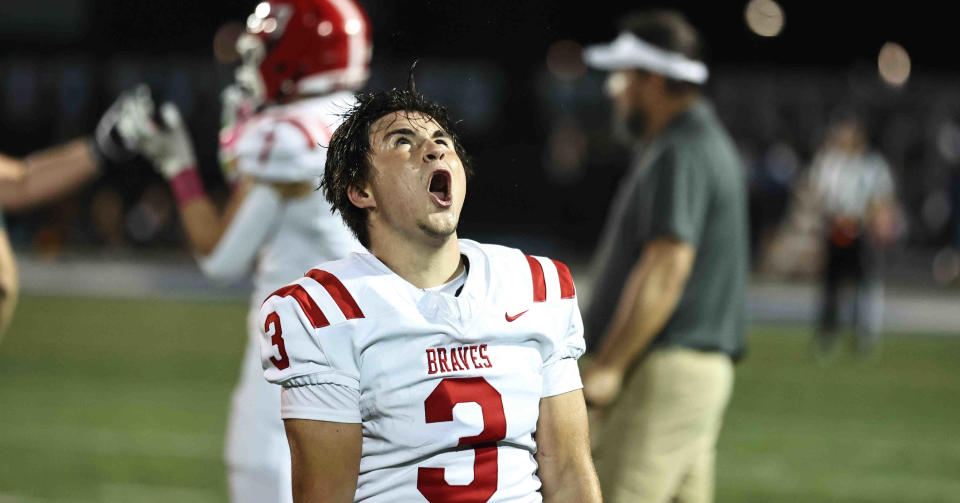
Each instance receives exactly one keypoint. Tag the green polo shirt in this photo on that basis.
(689, 184)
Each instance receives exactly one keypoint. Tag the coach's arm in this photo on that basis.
(649, 299)
(563, 450)
(325, 459)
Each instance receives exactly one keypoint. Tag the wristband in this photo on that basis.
(186, 186)
(99, 156)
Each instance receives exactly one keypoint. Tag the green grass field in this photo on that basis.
(125, 401)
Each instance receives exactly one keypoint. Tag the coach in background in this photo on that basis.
(671, 271)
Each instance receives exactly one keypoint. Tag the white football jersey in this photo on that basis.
(288, 143)
(447, 388)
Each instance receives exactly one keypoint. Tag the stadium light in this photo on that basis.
(764, 17)
(894, 64)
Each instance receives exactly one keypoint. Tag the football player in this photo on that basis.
(431, 368)
(50, 173)
(302, 60)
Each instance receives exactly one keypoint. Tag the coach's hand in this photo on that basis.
(601, 384)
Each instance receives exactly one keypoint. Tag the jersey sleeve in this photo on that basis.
(236, 251)
(321, 402)
(560, 371)
(298, 346)
(283, 150)
(680, 197)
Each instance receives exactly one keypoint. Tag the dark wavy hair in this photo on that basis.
(348, 157)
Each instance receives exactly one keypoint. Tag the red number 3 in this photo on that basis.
(439, 408)
(277, 340)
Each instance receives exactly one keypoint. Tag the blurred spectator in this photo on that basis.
(151, 215)
(669, 299)
(852, 186)
(106, 212)
(771, 177)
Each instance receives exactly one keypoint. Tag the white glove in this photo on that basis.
(113, 141)
(162, 138)
(170, 148)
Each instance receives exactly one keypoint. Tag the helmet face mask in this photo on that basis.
(247, 75)
(302, 47)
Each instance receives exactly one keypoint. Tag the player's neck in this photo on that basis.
(424, 265)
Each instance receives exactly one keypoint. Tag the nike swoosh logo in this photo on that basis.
(511, 318)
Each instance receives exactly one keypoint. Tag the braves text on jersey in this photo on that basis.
(447, 388)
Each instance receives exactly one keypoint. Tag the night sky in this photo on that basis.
(516, 32)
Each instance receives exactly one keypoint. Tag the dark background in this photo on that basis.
(63, 62)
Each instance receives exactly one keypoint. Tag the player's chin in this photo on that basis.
(440, 226)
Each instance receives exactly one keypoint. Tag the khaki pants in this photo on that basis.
(658, 441)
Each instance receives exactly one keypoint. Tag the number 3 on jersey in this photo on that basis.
(439, 408)
(277, 340)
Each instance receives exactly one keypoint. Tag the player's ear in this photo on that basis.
(361, 197)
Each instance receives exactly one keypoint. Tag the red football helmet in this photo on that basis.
(305, 46)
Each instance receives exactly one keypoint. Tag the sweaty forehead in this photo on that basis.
(417, 121)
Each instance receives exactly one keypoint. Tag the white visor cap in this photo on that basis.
(629, 51)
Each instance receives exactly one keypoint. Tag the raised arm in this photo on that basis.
(46, 174)
(563, 450)
(226, 240)
(53, 172)
(163, 138)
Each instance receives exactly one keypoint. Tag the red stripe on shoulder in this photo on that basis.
(539, 284)
(338, 292)
(567, 290)
(311, 142)
(307, 305)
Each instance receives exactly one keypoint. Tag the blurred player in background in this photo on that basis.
(302, 61)
(673, 260)
(45, 175)
(852, 187)
(421, 370)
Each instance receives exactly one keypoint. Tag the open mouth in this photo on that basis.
(440, 188)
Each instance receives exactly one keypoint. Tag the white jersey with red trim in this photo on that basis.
(447, 388)
(288, 143)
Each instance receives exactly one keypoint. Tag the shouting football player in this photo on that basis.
(302, 61)
(432, 368)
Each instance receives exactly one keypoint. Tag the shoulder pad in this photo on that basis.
(550, 279)
(322, 299)
(283, 149)
(534, 278)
